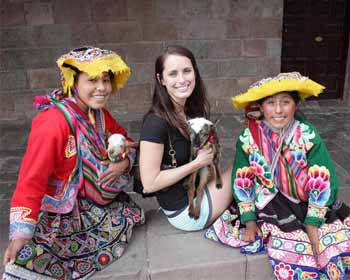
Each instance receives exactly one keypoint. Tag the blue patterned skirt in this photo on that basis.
(77, 244)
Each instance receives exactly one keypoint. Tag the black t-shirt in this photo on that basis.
(155, 129)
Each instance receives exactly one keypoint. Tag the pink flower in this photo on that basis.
(283, 271)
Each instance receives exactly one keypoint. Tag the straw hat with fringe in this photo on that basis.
(93, 61)
(292, 81)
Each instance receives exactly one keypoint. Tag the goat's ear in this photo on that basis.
(214, 131)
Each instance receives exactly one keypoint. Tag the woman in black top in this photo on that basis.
(179, 95)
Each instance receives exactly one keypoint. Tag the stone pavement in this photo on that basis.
(158, 251)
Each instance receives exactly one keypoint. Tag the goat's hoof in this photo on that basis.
(193, 215)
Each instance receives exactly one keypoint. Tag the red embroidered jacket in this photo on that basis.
(51, 155)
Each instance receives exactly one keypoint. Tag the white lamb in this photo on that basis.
(116, 146)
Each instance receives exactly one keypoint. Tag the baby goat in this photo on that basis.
(203, 134)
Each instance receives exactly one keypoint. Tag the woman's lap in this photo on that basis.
(67, 248)
(181, 219)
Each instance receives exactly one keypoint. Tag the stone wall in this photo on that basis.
(235, 42)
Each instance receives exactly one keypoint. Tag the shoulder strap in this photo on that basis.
(172, 151)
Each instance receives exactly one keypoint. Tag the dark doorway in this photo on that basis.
(315, 41)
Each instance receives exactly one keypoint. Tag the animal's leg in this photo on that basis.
(218, 179)
(191, 188)
(204, 178)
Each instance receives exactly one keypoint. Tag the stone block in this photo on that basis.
(36, 36)
(116, 32)
(136, 97)
(341, 158)
(220, 8)
(30, 58)
(44, 78)
(141, 72)
(267, 27)
(159, 30)
(221, 105)
(38, 13)
(109, 10)
(7, 105)
(208, 69)
(199, 48)
(167, 9)
(254, 48)
(57, 35)
(195, 9)
(259, 267)
(139, 9)
(24, 104)
(9, 167)
(238, 28)
(4, 229)
(272, 8)
(143, 52)
(274, 47)
(269, 66)
(12, 13)
(13, 80)
(203, 29)
(84, 34)
(12, 37)
(220, 88)
(191, 256)
(4, 215)
(246, 9)
(158, 225)
(228, 127)
(6, 190)
(72, 12)
(344, 194)
(238, 67)
(243, 84)
(135, 125)
(224, 49)
(14, 135)
(342, 173)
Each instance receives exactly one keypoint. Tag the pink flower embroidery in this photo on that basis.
(283, 271)
(318, 185)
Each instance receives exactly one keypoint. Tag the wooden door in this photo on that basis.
(315, 41)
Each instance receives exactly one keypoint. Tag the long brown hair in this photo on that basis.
(197, 105)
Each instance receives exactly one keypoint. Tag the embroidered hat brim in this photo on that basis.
(292, 81)
(93, 61)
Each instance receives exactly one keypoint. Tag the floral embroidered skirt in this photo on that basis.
(287, 244)
(76, 245)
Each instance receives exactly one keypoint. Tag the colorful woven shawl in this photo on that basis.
(290, 172)
(91, 151)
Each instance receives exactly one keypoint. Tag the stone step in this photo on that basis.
(158, 251)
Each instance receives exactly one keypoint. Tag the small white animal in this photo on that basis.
(116, 146)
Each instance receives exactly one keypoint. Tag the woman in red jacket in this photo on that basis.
(69, 216)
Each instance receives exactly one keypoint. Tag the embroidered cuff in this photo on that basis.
(21, 226)
(247, 211)
(315, 215)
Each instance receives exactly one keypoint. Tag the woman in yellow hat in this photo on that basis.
(69, 216)
(285, 184)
